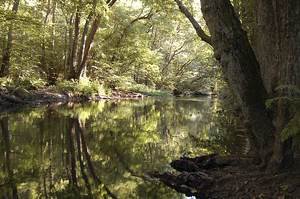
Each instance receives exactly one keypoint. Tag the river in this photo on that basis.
(104, 149)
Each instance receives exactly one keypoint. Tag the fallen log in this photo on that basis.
(189, 183)
(12, 99)
(192, 180)
(205, 162)
(220, 177)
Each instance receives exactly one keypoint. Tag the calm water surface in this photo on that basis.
(103, 149)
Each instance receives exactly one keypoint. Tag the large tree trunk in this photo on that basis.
(4, 70)
(241, 68)
(254, 77)
(277, 49)
(255, 74)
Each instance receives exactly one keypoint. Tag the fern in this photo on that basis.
(292, 96)
(292, 129)
(290, 88)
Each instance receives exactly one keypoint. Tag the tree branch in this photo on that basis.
(196, 25)
(110, 3)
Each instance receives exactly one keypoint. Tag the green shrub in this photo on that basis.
(143, 89)
(82, 87)
(5, 82)
(28, 83)
(66, 86)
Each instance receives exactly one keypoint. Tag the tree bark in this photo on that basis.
(254, 72)
(277, 49)
(241, 68)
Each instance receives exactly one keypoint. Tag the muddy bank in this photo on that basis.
(217, 177)
(22, 97)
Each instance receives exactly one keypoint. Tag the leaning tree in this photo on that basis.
(261, 61)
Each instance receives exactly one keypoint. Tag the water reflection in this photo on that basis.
(103, 149)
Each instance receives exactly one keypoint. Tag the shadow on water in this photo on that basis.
(104, 149)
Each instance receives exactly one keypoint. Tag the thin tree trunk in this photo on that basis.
(70, 68)
(88, 45)
(43, 65)
(193, 21)
(83, 39)
(52, 76)
(65, 52)
(73, 52)
(84, 34)
(5, 65)
(89, 40)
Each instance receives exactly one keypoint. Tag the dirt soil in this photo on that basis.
(215, 177)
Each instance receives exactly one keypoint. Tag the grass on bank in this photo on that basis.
(85, 86)
(143, 89)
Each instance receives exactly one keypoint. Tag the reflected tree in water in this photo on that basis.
(104, 149)
(10, 190)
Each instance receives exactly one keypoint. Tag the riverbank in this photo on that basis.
(21, 97)
(219, 177)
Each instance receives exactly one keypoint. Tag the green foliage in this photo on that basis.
(88, 87)
(146, 43)
(82, 87)
(143, 89)
(67, 86)
(290, 98)
(5, 82)
(289, 89)
(292, 129)
(28, 83)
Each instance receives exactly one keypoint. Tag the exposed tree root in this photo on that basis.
(213, 176)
